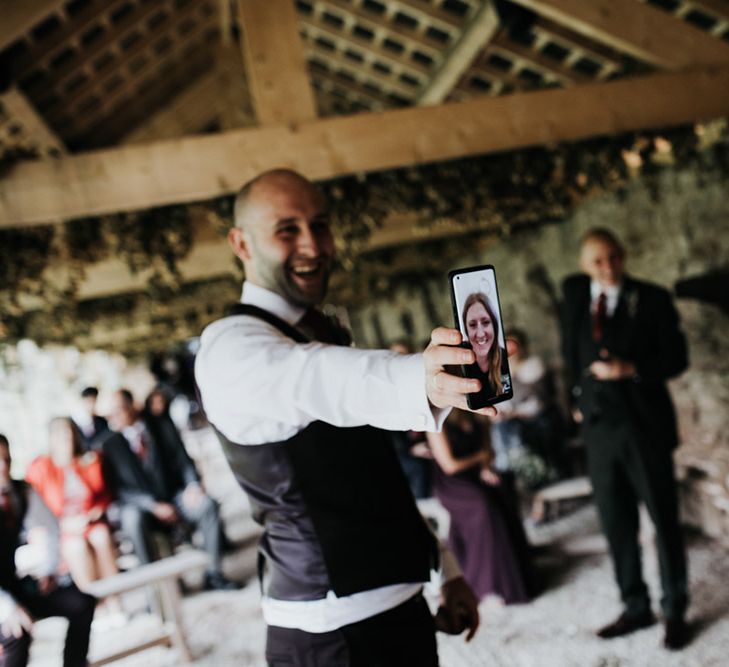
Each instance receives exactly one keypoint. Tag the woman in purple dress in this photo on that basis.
(486, 534)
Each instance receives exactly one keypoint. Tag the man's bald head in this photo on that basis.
(258, 188)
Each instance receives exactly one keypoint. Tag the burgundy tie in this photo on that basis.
(599, 317)
(319, 327)
(7, 509)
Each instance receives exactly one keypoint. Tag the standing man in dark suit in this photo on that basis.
(622, 342)
(156, 483)
(93, 427)
(24, 599)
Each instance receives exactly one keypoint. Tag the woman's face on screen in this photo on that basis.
(480, 329)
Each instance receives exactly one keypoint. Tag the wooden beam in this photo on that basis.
(18, 107)
(644, 32)
(274, 55)
(477, 34)
(19, 16)
(197, 168)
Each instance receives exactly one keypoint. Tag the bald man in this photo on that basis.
(622, 342)
(301, 417)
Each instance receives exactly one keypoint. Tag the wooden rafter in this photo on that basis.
(644, 32)
(197, 168)
(19, 16)
(532, 58)
(274, 55)
(477, 34)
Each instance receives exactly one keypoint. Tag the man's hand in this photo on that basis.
(47, 584)
(458, 609)
(421, 451)
(490, 477)
(18, 621)
(193, 495)
(445, 390)
(165, 512)
(612, 369)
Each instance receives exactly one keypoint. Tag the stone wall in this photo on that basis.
(675, 227)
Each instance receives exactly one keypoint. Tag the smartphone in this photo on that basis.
(477, 314)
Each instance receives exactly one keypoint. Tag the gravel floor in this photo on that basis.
(556, 630)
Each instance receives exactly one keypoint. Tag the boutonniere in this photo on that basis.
(631, 299)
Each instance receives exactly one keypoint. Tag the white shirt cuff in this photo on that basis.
(7, 606)
(413, 397)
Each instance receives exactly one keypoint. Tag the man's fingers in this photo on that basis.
(454, 384)
(488, 411)
(511, 346)
(445, 336)
(444, 355)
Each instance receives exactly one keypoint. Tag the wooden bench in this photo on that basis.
(163, 576)
(545, 502)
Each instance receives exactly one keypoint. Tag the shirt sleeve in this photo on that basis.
(250, 370)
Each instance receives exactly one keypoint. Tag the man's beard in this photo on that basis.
(285, 285)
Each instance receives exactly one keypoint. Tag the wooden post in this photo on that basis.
(274, 56)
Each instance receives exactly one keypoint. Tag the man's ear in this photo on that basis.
(237, 241)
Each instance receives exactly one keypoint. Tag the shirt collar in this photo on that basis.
(255, 295)
(132, 433)
(596, 289)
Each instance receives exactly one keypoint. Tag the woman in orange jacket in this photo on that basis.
(72, 485)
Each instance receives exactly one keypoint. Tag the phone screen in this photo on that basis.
(477, 313)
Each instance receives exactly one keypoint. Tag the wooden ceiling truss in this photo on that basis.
(131, 104)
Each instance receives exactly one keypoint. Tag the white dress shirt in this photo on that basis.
(259, 386)
(612, 296)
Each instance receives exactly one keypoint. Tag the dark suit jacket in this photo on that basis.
(167, 470)
(101, 430)
(644, 330)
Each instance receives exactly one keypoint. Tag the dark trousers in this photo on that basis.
(66, 601)
(139, 525)
(398, 637)
(625, 470)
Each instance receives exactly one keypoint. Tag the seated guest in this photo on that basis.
(91, 426)
(412, 449)
(527, 435)
(156, 416)
(71, 483)
(486, 534)
(157, 486)
(22, 600)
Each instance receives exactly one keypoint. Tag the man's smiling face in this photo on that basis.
(285, 240)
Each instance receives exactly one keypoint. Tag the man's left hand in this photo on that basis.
(613, 369)
(460, 607)
(193, 495)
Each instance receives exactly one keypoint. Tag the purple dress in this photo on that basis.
(486, 534)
